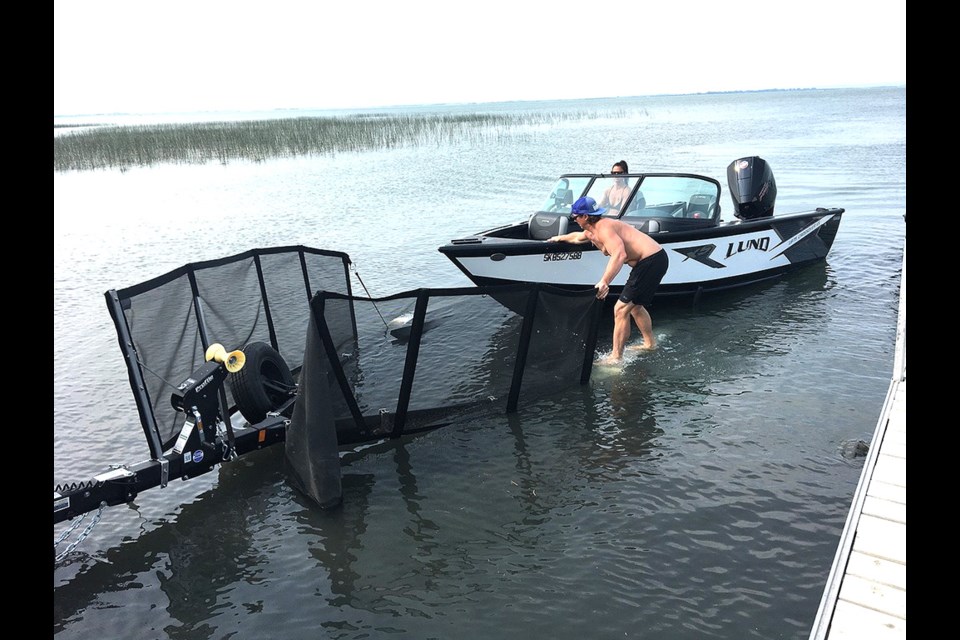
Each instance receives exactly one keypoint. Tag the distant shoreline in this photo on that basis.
(360, 109)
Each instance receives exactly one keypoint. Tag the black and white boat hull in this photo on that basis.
(680, 211)
(705, 260)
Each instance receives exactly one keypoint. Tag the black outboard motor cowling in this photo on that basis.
(752, 187)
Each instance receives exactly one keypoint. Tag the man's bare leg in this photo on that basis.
(642, 317)
(621, 328)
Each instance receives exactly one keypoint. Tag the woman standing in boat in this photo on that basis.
(623, 244)
(615, 196)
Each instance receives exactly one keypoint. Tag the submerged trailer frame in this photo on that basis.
(286, 276)
(123, 483)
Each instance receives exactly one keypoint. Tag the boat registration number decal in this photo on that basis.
(572, 255)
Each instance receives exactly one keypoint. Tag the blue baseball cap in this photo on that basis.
(586, 206)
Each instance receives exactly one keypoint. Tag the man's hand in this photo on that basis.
(602, 289)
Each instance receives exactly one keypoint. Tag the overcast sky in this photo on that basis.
(123, 56)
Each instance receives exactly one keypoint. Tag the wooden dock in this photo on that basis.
(866, 592)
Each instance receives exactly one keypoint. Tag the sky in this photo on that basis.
(142, 56)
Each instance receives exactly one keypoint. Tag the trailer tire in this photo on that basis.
(263, 384)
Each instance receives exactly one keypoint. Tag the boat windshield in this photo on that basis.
(643, 196)
(565, 192)
(613, 193)
(676, 197)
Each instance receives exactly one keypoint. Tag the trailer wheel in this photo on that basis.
(264, 383)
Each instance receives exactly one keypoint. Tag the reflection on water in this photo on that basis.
(195, 558)
(698, 491)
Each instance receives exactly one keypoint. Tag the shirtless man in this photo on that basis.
(623, 244)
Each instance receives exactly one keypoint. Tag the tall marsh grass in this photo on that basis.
(122, 147)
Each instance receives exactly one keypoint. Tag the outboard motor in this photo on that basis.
(752, 187)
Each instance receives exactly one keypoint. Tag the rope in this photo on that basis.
(357, 273)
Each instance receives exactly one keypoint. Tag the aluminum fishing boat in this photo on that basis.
(681, 211)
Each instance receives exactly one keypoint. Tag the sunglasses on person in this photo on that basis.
(617, 173)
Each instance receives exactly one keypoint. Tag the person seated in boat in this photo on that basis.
(623, 244)
(616, 195)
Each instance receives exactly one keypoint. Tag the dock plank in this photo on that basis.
(886, 491)
(885, 509)
(853, 622)
(874, 595)
(891, 469)
(882, 538)
(878, 570)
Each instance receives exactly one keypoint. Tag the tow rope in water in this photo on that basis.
(357, 273)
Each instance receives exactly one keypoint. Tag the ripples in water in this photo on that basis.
(698, 491)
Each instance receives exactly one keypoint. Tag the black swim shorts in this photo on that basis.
(644, 279)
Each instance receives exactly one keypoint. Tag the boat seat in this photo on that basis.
(647, 225)
(637, 204)
(699, 206)
(544, 225)
(563, 198)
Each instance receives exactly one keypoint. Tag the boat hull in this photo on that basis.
(710, 259)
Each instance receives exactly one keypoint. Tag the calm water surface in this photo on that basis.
(699, 492)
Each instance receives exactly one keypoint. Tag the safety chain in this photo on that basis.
(72, 528)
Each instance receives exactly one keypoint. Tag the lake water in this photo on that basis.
(698, 492)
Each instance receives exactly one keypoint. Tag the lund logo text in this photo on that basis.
(746, 245)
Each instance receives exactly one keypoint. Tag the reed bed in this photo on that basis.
(123, 147)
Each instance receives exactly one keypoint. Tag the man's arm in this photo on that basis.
(574, 237)
(613, 247)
